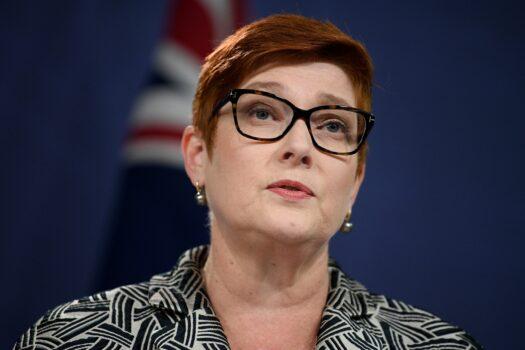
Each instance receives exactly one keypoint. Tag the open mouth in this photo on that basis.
(290, 186)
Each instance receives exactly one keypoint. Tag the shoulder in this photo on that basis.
(402, 324)
(92, 320)
(383, 322)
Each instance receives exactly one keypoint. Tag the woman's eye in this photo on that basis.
(261, 114)
(334, 126)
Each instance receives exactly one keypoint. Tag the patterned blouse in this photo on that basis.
(172, 311)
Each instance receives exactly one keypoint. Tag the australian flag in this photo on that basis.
(155, 217)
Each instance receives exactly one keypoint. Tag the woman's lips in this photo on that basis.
(292, 190)
(290, 194)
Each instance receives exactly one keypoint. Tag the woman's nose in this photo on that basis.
(297, 145)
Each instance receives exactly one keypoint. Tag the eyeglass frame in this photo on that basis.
(298, 113)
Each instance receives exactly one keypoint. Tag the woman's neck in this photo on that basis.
(277, 287)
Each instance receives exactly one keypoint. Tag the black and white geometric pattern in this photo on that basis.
(172, 311)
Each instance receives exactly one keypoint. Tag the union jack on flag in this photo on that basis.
(164, 108)
(155, 218)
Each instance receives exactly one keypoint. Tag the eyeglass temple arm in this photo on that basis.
(222, 102)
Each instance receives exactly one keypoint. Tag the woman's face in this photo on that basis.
(240, 171)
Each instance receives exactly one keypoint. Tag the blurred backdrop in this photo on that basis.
(94, 95)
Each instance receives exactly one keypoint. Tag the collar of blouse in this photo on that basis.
(189, 321)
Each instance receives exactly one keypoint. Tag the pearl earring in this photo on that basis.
(347, 226)
(200, 196)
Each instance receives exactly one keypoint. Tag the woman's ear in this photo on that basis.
(194, 154)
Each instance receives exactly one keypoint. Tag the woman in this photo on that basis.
(277, 151)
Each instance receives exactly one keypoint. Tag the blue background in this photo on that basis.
(439, 220)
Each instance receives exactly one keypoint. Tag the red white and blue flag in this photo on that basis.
(155, 217)
(164, 108)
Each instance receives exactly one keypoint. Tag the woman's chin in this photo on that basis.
(290, 231)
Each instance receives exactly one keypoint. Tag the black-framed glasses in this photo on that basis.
(260, 115)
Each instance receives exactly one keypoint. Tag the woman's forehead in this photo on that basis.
(325, 82)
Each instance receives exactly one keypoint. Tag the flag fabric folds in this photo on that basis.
(155, 217)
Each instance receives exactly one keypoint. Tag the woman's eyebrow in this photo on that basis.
(271, 86)
(323, 98)
(327, 98)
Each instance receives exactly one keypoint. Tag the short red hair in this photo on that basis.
(286, 39)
